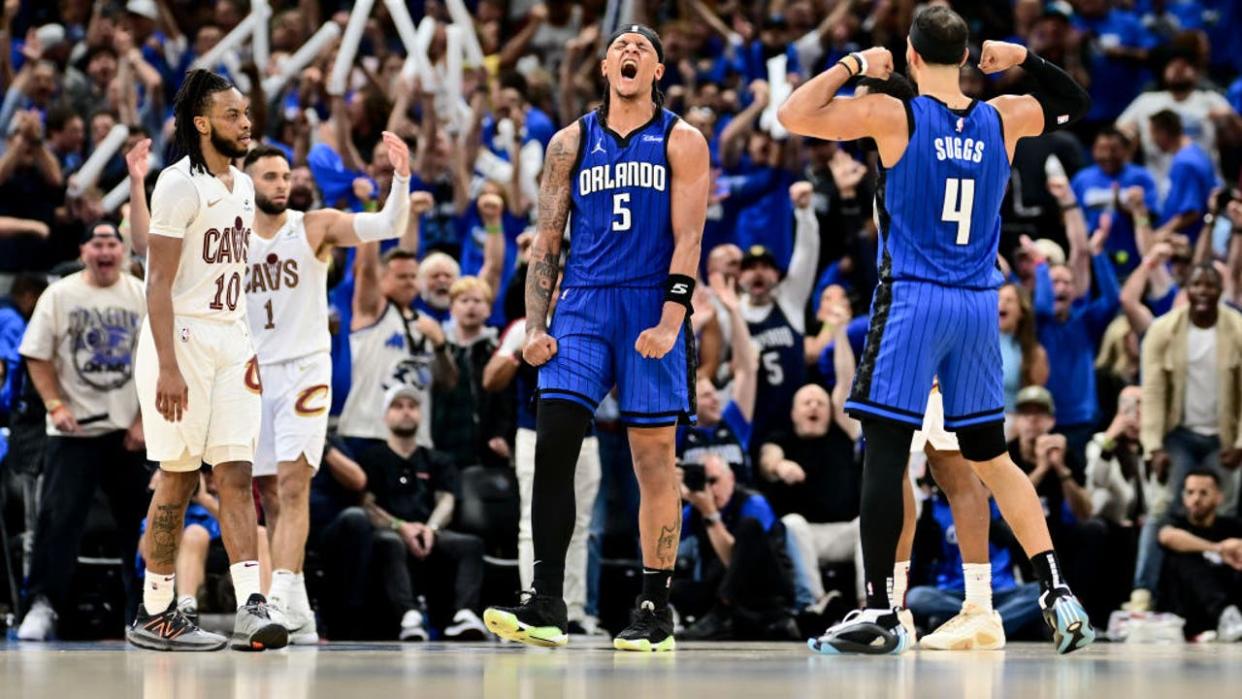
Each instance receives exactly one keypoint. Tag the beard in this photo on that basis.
(230, 149)
(268, 206)
(301, 199)
(403, 431)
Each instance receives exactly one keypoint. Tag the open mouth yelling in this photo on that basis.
(629, 69)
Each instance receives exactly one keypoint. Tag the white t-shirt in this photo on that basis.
(88, 333)
(1196, 124)
(1201, 414)
(214, 225)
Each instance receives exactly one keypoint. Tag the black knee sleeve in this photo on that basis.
(982, 442)
(884, 465)
(560, 427)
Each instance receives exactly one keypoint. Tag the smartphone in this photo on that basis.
(695, 477)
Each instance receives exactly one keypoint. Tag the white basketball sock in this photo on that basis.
(978, 584)
(157, 592)
(301, 601)
(281, 592)
(245, 576)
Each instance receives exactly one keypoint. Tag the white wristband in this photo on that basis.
(862, 63)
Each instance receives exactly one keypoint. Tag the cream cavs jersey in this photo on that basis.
(287, 294)
(214, 225)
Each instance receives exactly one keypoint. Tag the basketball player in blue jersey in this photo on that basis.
(636, 180)
(945, 165)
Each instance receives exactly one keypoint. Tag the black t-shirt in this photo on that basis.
(1222, 528)
(406, 488)
(833, 482)
(1056, 510)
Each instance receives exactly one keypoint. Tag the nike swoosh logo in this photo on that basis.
(213, 203)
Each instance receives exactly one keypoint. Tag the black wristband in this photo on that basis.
(679, 288)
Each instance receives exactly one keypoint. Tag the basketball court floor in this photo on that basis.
(715, 670)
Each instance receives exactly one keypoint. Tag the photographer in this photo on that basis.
(732, 559)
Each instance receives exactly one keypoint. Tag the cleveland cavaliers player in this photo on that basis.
(287, 298)
(195, 369)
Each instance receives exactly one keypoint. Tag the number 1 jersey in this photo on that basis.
(939, 206)
(621, 231)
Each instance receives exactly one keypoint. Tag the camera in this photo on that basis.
(695, 477)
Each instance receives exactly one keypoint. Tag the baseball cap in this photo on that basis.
(101, 229)
(758, 254)
(1036, 396)
(401, 390)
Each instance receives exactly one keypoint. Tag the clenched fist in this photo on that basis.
(879, 62)
(1000, 55)
(540, 348)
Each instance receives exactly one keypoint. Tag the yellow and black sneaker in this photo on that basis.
(539, 620)
(650, 631)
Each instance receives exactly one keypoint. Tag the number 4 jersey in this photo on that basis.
(939, 206)
(214, 225)
(287, 294)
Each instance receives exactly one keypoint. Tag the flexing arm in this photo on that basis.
(691, 180)
(491, 210)
(1056, 102)
(545, 252)
(815, 110)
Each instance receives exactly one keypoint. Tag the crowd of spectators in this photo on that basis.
(1121, 334)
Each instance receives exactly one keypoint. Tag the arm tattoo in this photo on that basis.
(554, 204)
(164, 530)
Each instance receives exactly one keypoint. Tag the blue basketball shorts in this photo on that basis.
(595, 330)
(920, 331)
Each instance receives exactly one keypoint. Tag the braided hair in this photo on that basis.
(192, 100)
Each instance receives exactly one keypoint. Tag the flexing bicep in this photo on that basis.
(847, 118)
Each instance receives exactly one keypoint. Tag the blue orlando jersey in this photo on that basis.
(940, 207)
(621, 231)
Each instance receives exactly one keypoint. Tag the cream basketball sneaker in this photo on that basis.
(972, 629)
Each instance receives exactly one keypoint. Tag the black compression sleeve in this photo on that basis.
(1063, 100)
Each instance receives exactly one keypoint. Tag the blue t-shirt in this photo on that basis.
(1071, 344)
(947, 571)
(857, 334)
(1191, 180)
(335, 182)
(1097, 192)
(1115, 82)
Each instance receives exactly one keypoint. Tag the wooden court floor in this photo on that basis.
(494, 671)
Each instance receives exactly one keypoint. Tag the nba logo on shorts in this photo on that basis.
(185, 334)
